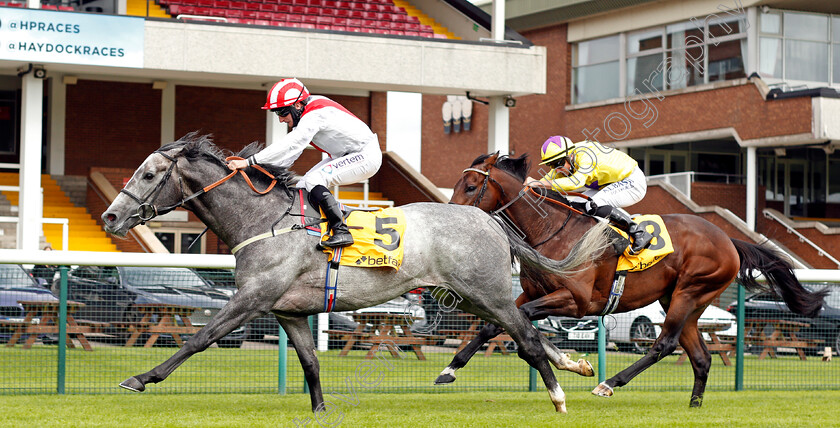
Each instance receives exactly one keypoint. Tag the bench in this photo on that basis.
(465, 336)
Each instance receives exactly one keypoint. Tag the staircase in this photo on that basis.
(84, 233)
(138, 8)
(354, 195)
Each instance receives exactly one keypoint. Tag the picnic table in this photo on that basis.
(375, 329)
(158, 319)
(475, 324)
(42, 318)
(714, 344)
(782, 334)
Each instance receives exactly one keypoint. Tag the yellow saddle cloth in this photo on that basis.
(378, 239)
(659, 247)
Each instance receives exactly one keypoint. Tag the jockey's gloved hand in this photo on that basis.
(591, 207)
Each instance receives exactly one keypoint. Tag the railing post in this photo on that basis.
(305, 384)
(739, 344)
(62, 329)
(532, 372)
(602, 350)
(281, 360)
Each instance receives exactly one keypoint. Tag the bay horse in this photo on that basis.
(704, 262)
(284, 273)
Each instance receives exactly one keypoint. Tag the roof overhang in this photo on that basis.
(216, 54)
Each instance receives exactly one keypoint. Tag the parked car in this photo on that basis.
(17, 284)
(110, 292)
(824, 329)
(565, 332)
(643, 323)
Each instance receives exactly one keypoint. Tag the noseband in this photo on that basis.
(146, 209)
(488, 178)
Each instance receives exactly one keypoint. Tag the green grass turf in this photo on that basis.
(248, 371)
(480, 409)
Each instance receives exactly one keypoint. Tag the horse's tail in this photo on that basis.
(588, 249)
(780, 278)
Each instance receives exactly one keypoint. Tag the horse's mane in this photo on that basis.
(518, 167)
(194, 146)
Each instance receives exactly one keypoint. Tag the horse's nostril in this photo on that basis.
(111, 217)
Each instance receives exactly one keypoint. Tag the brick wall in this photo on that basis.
(110, 124)
(537, 117)
(233, 116)
(658, 201)
(444, 156)
(740, 107)
(730, 196)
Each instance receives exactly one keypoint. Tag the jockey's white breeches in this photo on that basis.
(621, 193)
(348, 169)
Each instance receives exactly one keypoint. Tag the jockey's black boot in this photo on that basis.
(341, 237)
(641, 237)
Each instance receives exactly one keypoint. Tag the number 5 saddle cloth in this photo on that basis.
(378, 237)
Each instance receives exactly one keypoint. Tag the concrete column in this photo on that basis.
(498, 127)
(58, 113)
(497, 27)
(274, 130)
(403, 127)
(752, 186)
(167, 111)
(30, 204)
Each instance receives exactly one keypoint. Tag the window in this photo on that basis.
(799, 46)
(178, 241)
(596, 70)
(672, 57)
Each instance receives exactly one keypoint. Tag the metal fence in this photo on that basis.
(123, 320)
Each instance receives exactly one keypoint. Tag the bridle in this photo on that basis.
(488, 178)
(501, 208)
(146, 209)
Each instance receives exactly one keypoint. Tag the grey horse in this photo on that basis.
(456, 247)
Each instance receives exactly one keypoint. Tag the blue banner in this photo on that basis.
(43, 36)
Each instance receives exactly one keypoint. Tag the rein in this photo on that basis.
(527, 189)
(147, 210)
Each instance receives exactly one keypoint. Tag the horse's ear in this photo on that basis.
(492, 158)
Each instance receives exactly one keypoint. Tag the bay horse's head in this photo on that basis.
(490, 180)
(170, 177)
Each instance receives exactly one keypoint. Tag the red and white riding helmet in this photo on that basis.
(285, 93)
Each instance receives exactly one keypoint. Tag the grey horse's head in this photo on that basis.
(170, 176)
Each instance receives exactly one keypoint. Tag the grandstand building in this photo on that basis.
(730, 104)
(89, 89)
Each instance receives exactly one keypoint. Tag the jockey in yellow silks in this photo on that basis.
(610, 177)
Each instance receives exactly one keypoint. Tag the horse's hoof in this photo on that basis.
(133, 384)
(695, 402)
(560, 407)
(586, 368)
(602, 390)
(444, 379)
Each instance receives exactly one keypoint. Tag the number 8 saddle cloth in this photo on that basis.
(659, 247)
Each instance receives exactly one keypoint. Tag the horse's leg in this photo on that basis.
(680, 309)
(558, 303)
(488, 332)
(533, 310)
(531, 350)
(297, 328)
(235, 313)
(701, 360)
